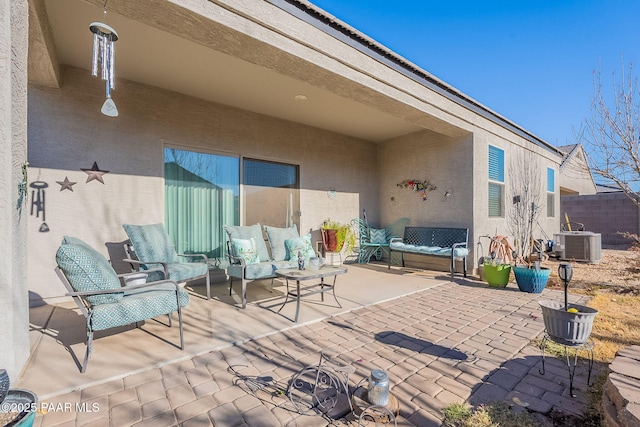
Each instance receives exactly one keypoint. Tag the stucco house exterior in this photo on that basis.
(292, 115)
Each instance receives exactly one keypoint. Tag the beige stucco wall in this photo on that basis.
(14, 315)
(67, 133)
(513, 147)
(447, 162)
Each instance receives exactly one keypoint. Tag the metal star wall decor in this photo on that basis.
(95, 173)
(66, 184)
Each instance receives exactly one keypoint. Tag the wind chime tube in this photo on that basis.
(112, 59)
(104, 58)
(94, 59)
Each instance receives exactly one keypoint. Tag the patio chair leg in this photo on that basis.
(244, 293)
(180, 325)
(453, 266)
(208, 280)
(169, 315)
(230, 284)
(88, 352)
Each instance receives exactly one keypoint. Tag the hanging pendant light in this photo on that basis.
(103, 60)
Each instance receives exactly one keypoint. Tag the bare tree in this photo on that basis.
(611, 135)
(523, 207)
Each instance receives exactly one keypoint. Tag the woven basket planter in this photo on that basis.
(497, 276)
(531, 280)
(567, 328)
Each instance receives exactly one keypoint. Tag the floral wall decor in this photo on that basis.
(420, 186)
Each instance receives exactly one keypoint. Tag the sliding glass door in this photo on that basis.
(201, 195)
(271, 193)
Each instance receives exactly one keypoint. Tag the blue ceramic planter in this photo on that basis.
(531, 280)
(24, 399)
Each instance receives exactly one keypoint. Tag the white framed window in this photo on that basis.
(551, 192)
(496, 182)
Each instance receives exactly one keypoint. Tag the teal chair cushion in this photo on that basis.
(138, 305)
(252, 271)
(248, 232)
(151, 243)
(277, 238)
(183, 271)
(88, 270)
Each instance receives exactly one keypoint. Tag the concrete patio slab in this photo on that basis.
(441, 342)
(58, 332)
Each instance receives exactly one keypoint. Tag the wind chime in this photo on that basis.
(103, 59)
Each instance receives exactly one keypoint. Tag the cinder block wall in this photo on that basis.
(604, 213)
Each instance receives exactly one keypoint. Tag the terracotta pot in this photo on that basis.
(330, 240)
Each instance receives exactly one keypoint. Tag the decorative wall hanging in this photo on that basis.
(448, 193)
(38, 198)
(66, 184)
(22, 189)
(95, 173)
(104, 52)
(420, 186)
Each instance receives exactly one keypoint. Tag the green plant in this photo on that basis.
(345, 236)
(495, 414)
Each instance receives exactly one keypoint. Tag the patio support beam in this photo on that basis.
(14, 301)
(44, 68)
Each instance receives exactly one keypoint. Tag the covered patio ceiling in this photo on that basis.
(164, 45)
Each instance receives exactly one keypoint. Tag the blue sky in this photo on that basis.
(530, 61)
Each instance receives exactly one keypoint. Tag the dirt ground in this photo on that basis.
(619, 270)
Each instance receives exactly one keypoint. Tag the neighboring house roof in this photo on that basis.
(605, 188)
(320, 19)
(569, 151)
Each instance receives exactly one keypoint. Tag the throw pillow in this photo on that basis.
(378, 236)
(277, 237)
(246, 249)
(299, 244)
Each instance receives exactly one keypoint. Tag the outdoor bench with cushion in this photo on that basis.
(433, 241)
(249, 258)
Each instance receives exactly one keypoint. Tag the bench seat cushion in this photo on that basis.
(428, 250)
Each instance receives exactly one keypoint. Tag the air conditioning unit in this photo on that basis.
(578, 246)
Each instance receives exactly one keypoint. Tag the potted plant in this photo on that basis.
(337, 236)
(497, 273)
(497, 269)
(567, 324)
(522, 215)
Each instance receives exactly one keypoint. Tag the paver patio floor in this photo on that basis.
(450, 342)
